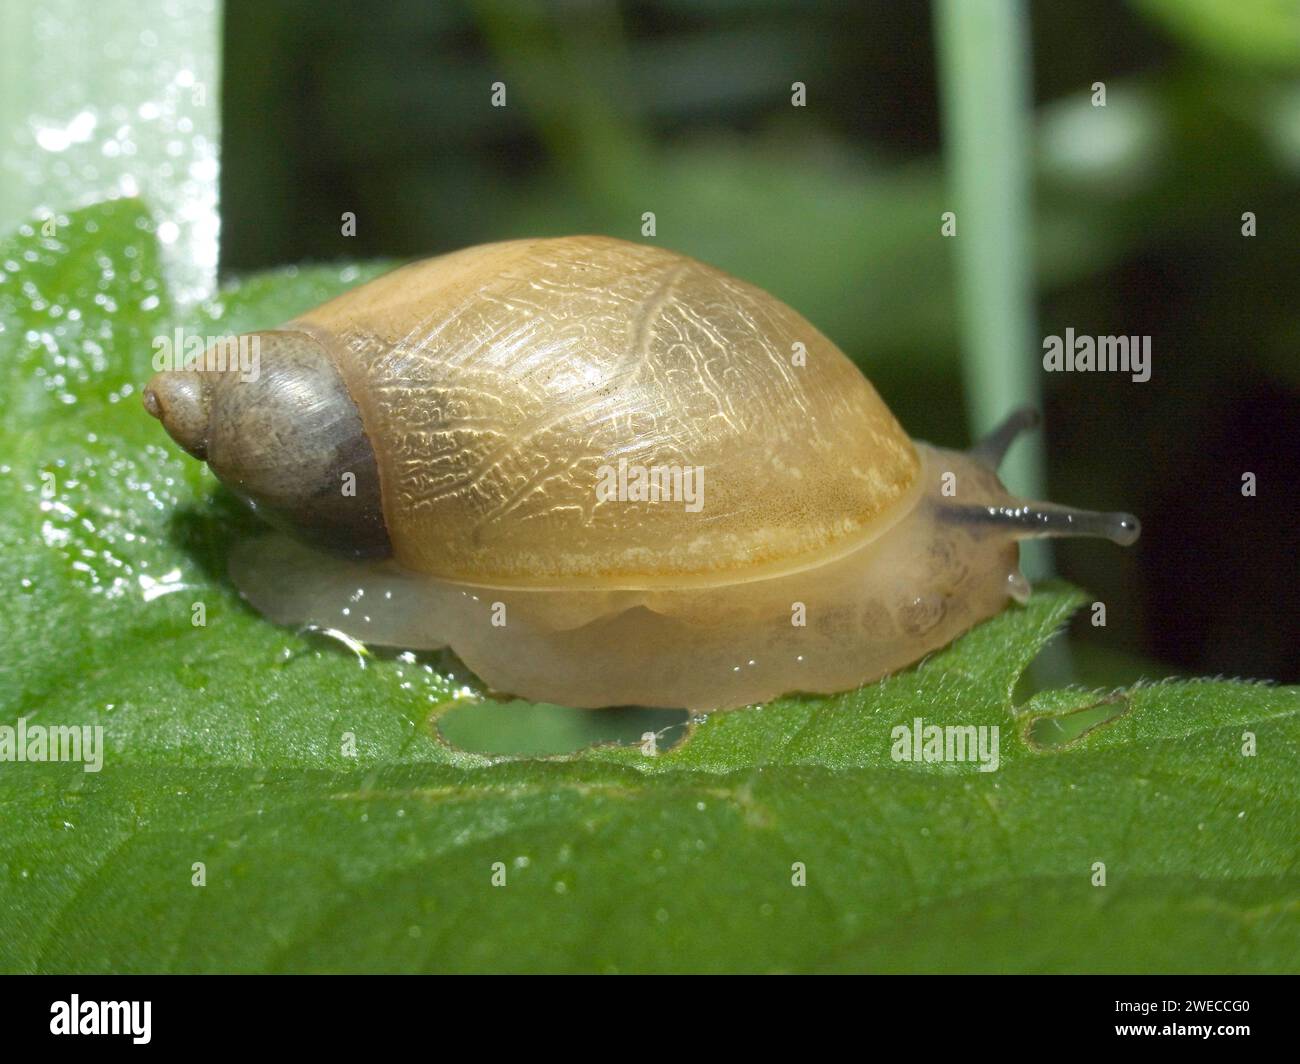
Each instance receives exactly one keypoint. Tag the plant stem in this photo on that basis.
(983, 52)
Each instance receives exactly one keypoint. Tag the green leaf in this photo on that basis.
(224, 746)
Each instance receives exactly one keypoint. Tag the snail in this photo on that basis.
(603, 474)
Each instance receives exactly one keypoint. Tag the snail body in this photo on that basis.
(603, 474)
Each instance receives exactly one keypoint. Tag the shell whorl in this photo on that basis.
(284, 436)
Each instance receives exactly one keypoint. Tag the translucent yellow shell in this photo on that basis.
(502, 384)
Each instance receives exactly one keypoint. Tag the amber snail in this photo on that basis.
(603, 474)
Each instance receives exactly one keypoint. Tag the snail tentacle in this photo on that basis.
(1045, 520)
(993, 448)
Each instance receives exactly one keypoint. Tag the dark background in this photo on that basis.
(684, 109)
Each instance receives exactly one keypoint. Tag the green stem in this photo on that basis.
(983, 52)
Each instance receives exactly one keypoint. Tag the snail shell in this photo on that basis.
(604, 474)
